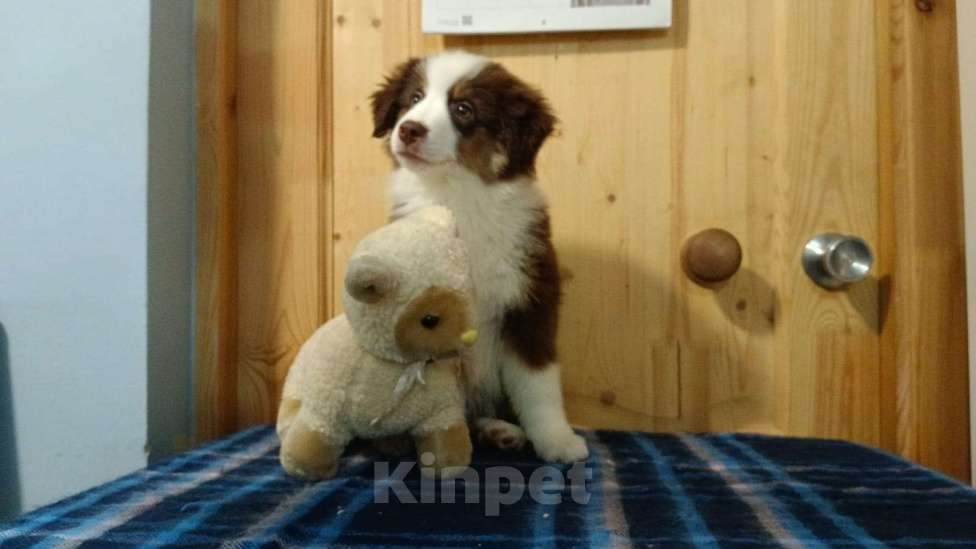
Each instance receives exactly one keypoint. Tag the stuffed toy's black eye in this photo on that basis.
(430, 321)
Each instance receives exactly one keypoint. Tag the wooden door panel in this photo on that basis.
(774, 120)
(829, 167)
(280, 202)
(740, 117)
(606, 174)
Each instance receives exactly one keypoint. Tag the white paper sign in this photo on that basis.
(525, 16)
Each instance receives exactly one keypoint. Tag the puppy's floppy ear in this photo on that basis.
(534, 123)
(525, 119)
(386, 100)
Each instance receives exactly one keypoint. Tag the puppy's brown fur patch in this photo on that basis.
(392, 99)
(530, 329)
(511, 119)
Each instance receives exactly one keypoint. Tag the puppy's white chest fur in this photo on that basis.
(495, 222)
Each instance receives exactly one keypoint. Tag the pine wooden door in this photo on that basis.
(773, 120)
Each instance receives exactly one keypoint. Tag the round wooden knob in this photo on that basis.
(712, 255)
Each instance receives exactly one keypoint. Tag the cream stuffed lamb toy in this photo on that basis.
(391, 364)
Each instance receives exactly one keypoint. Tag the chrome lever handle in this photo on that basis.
(835, 260)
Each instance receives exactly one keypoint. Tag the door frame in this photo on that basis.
(966, 19)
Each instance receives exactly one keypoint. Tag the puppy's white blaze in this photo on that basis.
(445, 69)
(441, 72)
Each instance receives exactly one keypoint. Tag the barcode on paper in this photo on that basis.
(606, 3)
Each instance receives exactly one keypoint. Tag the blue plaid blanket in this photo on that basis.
(635, 490)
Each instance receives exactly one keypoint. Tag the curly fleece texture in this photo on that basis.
(423, 251)
(344, 375)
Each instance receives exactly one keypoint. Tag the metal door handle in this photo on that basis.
(834, 260)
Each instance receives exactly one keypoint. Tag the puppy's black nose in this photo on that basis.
(411, 132)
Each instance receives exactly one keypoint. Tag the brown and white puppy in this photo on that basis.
(465, 133)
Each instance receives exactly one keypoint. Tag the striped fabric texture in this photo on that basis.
(638, 490)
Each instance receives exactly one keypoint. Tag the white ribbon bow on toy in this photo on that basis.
(414, 373)
(411, 375)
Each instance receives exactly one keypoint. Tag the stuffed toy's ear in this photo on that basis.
(369, 279)
(389, 99)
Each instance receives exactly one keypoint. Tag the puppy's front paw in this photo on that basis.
(562, 446)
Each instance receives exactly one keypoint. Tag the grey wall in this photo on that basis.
(95, 241)
(73, 99)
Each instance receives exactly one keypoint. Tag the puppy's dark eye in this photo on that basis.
(463, 110)
(430, 321)
(416, 96)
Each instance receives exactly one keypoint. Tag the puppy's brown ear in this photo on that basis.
(525, 119)
(534, 123)
(386, 101)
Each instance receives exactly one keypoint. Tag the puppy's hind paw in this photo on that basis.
(500, 434)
